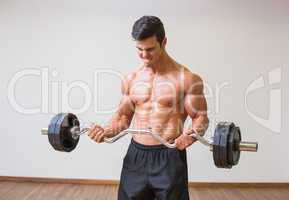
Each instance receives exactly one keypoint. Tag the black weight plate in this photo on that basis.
(223, 148)
(223, 145)
(57, 132)
(65, 140)
(231, 146)
(68, 142)
(64, 133)
(236, 152)
(51, 131)
(230, 133)
(223, 128)
(216, 145)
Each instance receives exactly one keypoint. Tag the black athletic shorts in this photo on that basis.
(153, 172)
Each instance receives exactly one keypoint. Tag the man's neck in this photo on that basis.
(165, 64)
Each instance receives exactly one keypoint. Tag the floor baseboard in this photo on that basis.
(116, 182)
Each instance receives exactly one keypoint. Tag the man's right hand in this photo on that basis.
(96, 133)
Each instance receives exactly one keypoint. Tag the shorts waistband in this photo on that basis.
(147, 147)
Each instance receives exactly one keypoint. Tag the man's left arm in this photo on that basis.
(195, 105)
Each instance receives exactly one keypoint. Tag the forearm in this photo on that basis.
(116, 125)
(200, 124)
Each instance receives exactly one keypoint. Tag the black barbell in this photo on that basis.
(64, 131)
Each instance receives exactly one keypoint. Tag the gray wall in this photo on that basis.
(240, 49)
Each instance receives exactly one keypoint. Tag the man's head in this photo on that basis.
(149, 33)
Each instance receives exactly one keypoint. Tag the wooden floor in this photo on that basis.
(51, 191)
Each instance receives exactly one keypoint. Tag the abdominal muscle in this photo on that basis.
(167, 125)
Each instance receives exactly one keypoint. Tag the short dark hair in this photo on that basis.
(148, 26)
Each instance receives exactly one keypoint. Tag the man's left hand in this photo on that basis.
(184, 141)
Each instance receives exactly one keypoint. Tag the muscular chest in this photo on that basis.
(156, 90)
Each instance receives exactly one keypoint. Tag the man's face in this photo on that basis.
(149, 50)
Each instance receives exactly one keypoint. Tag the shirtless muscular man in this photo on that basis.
(158, 95)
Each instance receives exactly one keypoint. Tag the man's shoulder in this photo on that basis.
(188, 75)
(128, 78)
(133, 74)
(192, 81)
